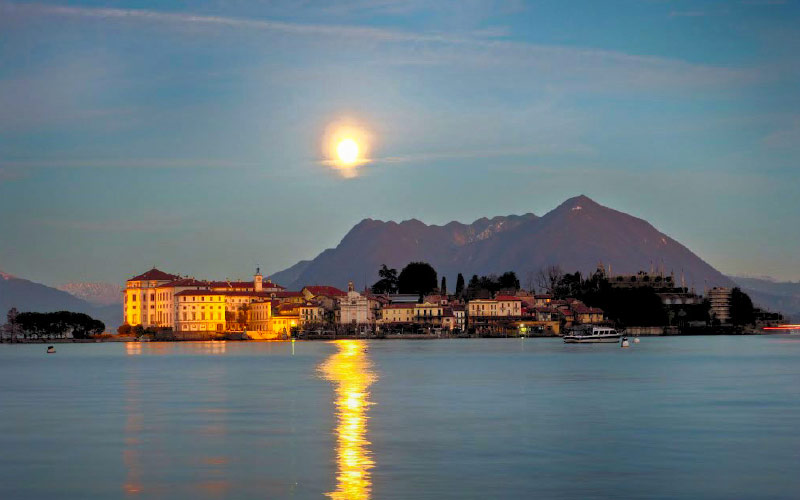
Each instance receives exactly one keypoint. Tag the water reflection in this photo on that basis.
(169, 348)
(350, 370)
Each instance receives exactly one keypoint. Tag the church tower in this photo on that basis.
(258, 280)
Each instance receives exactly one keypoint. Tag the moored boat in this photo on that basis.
(592, 335)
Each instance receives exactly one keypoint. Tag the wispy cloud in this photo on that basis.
(125, 163)
(482, 41)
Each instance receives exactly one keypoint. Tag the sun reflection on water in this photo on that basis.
(350, 370)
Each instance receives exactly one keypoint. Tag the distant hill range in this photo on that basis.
(782, 296)
(99, 294)
(29, 296)
(577, 235)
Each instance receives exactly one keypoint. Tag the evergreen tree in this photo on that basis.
(460, 285)
(443, 288)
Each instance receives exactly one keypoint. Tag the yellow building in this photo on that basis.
(260, 316)
(139, 297)
(398, 313)
(508, 305)
(200, 310)
(428, 313)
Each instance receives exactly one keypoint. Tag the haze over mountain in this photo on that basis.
(577, 235)
(782, 296)
(99, 294)
(29, 296)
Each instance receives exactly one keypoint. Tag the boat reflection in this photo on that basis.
(350, 370)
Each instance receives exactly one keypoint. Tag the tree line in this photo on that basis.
(421, 278)
(59, 324)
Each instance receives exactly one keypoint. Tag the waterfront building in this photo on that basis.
(397, 313)
(311, 313)
(260, 316)
(166, 311)
(482, 308)
(353, 308)
(428, 314)
(200, 310)
(508, 305)
(585, 314)
(151, 300)
(139, 297)
(459, 316)
(720, 298)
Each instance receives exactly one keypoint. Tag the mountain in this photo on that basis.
(372, 243)
(782, 296)
(29, 296)
(99, 294)
(577, 235)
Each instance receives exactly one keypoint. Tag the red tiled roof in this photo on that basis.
(227, 293)
(324, 290)
(400, 306)
(199, 292)
(232, 284)
(543, 296)
(286, 295)
(155, 275)
(270, 284)
(184, 282)
(507, 298)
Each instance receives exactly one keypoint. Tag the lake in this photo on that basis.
(671, 417)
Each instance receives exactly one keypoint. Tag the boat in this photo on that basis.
(51, 350)
(592, 335)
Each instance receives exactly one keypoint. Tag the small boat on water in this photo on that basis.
(592, 335)
(51, 350)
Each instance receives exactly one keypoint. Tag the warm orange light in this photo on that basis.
(350, 370)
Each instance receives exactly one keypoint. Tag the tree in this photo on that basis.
(417, 277)
(124, 329)
(509, 280)
(460, 285)
(138, 330)
(388, 282)
(59, 324)
(443, 288)
(244, 309)
(548, 277)
(742, 311)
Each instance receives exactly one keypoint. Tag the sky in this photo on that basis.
(193, 136)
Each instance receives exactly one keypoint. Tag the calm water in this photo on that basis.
(686, 418)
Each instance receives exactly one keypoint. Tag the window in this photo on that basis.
(194, 316)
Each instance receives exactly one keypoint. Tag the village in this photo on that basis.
(172, 307)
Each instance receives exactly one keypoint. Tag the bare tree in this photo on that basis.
(548, 277)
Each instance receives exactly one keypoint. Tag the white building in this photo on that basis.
(353, 308)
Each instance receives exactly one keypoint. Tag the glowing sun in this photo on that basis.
(347, 150)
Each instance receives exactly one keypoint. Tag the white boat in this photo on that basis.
(592, 335)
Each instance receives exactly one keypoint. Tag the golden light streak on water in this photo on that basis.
(350, 370)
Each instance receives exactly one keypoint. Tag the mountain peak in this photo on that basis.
(576, 235)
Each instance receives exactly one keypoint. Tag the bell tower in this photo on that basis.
(258, 280)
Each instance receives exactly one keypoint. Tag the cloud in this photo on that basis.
(126, 163)
(475, 47)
